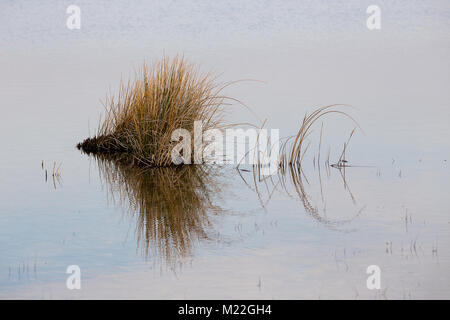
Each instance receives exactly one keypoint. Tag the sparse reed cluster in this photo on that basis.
(139, 121)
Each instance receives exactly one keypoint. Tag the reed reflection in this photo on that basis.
(171, 205)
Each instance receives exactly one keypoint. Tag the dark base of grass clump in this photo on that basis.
(102, 148)
(100, 145)
(106, 148)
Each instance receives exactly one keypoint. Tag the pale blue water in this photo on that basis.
(309, 54)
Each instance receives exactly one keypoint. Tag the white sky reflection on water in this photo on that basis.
(308, 54)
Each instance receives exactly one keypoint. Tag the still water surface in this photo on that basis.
(207, 233)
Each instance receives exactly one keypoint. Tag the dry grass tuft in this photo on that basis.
(139, 121)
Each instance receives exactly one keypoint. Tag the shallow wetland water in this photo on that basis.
(208, 233)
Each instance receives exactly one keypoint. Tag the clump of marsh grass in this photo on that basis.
(139, 121)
